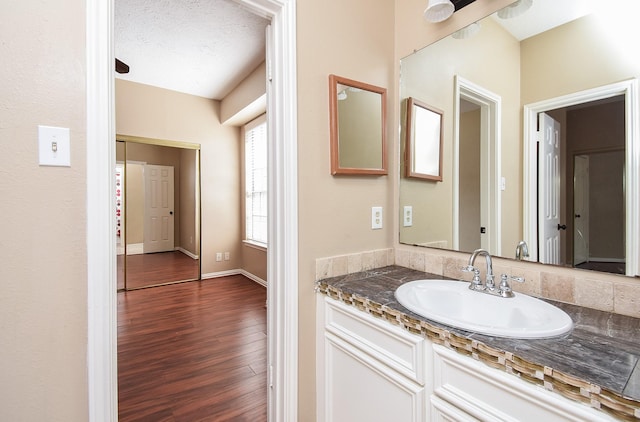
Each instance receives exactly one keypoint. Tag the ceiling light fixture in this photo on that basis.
(439, 10)
(515, 9)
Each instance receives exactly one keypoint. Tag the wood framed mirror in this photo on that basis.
(423, 150)
(358, 117)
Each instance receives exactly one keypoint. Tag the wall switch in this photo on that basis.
(219, 256)
(54, 146)
(503, 183)
(407, 219)
(376, 218)
(226, 256)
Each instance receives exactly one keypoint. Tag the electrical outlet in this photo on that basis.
(219, 256)
(407, 220)
(376, 218)
(227, 256)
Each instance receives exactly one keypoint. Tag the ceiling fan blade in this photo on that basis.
(121, 67)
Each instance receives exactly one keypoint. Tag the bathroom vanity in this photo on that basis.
(377, 361)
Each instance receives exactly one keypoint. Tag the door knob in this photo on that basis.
(171, 212)
(577, 215)
(562, 227)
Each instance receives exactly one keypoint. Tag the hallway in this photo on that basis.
(194, 351)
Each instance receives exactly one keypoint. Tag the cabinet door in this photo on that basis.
(360, 388)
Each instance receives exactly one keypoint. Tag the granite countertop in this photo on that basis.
(603, 349)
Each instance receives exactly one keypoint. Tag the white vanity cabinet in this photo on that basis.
(371, 370)
(368, 369)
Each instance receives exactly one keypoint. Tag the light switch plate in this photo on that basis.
(376, 218)
(54, 146)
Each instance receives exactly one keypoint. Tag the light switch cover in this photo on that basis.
(54, 146)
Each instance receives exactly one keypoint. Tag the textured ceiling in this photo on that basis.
(199, 47)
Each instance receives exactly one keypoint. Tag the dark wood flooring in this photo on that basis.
(152, 269)
(193, 351)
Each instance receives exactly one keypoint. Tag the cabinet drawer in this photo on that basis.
(394, 346)
(489, 394)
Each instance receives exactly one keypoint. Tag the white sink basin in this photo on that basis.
(452, 303)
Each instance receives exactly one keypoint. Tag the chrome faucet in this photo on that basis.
(489, 286)
(522, 250)
(476, 283)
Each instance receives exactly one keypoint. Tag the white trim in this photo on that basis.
(135, 248)
(186, 252)
(627, 88)
(282, 256)
(491, 120)
(102, 375)
(227, 273)
(255, 245)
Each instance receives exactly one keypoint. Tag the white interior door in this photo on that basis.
(549, 189)
(580, 209)
(158, 209)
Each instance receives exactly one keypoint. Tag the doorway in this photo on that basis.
(595, 169)
(477, 201)
(157, 212)
(283, 267)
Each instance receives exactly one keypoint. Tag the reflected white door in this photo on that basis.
(549, 189)
(580, 209)
(158, 210)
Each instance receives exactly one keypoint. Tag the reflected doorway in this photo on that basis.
(157, 212)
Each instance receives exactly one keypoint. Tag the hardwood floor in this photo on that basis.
(151, 269)
(193, 352)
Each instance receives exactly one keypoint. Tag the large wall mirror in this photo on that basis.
(358, 117)
(157, 212)
(567, 73)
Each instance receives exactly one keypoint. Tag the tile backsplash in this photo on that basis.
(605, 292)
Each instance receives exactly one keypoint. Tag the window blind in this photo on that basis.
(255, 148)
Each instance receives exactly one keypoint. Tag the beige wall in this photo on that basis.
(351, 39)
(469, 193)
(151, 112)
(580, 40)
(247, 101)
(429, 75)
(43, 299)
(188, 211)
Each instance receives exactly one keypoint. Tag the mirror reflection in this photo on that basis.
(157, 214)
(575, 69)
(358, 133)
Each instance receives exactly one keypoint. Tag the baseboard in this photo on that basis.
(234, 272)
(135, 248)
(612, 260)
(186, 252)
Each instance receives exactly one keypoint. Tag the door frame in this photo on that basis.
(583, 183)
(282, 256)
(490, 138)
(629, 89)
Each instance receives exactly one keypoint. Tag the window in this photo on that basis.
(255, 182)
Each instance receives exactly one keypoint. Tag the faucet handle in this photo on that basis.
(469, 269)
(505, 290)
(476, 283)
